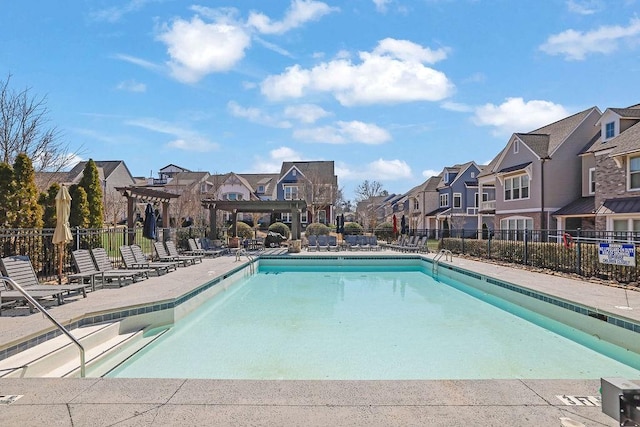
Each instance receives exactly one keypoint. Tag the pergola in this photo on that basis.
(144, 195)
(295, 207)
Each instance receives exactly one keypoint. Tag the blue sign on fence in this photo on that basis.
(618, 254)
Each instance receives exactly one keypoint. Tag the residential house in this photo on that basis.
(424, 199)
(610, 198)
(166, 174)
(458, 200)
(314, 182)
(112, 174)
(370, 211)
(192, 187)
(537, 173)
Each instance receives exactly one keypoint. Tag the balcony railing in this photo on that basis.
(489, 205)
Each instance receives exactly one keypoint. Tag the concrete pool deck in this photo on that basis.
(177, 402)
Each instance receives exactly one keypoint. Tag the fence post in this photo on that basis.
(525, 254)
(578, 254)
(489, 244)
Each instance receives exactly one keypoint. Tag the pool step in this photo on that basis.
(59, 357)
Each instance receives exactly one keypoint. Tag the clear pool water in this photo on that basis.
(362, 324)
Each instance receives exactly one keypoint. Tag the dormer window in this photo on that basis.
(446, 177)
(610, 130)
(261, 189)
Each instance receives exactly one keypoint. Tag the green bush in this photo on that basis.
(244, 230)
(317, 229)
(282, 228)
(353, 228)
(384, 231)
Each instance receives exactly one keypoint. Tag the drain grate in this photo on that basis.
(8, 399)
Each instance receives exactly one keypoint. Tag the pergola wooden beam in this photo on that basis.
(294, 207)
(144, 195)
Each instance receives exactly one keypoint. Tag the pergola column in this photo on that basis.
(295, 224)
(213, 223)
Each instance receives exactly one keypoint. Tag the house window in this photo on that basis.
(592, 181)
(285, 217)
(416, 205)
(444, 200)
(473, 174)
(260, 188)
(457, 200)
(634, 173)
(233, 196)
(446, 177)
(514, 228)
(516, 187)
(304, 217)
(516, 146)
(322, 217)
(291, 192)
(610, 130)
(626, 229)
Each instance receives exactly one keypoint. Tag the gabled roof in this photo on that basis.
(628, 141)
(544, 141)
(187, 178)
(107, 166)
(459, 168)
(431, 184)
(322, 169)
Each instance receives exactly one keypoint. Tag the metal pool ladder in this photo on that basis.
(42, 310)
(448, 256)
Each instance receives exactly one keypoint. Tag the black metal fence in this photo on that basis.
(569, 251)
(45, 256)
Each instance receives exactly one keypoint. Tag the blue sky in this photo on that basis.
(391, 90)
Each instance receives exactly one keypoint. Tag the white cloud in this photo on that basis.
(576, 45)
(344, 133)
(584, 7)
(184, 139)
(132, 86)
(256, 115)
(115, 13)
(381, 5)
(138, 61)
(273, 161)
(428, 173)
(457, 107)
(379, 170)
(306, 113)
(299, 12)
(197, 48)
(393, 72)
(516, 115)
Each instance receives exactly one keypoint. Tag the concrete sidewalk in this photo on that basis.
(182, 402)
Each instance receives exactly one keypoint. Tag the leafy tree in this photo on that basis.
(79, 215)
(7, 193)
(369, 189)
(48, 201)
(90, 182)
(29, 212)
(317, 229)
(25, 129)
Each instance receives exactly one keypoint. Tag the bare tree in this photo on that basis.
(369, 189)
(318, 193)
(24, 128)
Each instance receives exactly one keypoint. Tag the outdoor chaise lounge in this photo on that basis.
(142, 259)
(323, 243)
(313, 243)
(101, 258)
(163, 255)
(9, 296)
(130, 263)
(85, 265)
(196, 249)
(173, 251)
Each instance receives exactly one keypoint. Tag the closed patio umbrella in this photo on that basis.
(395, 225)
(62, 233)
(403, 225)
(149, 228)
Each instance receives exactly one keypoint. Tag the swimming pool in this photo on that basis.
(370, 319)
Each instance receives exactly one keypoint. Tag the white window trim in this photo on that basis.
(459, 197)
(613, 123)
(629, 173)
(592, 180)
(516, 146)
(289, 196)
(510, 178)
(445, 197)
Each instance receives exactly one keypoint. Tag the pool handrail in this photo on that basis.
(57, 324)
(448, 256)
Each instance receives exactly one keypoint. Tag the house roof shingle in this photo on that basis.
(620, 206)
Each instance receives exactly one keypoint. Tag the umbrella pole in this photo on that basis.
(60, 264)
